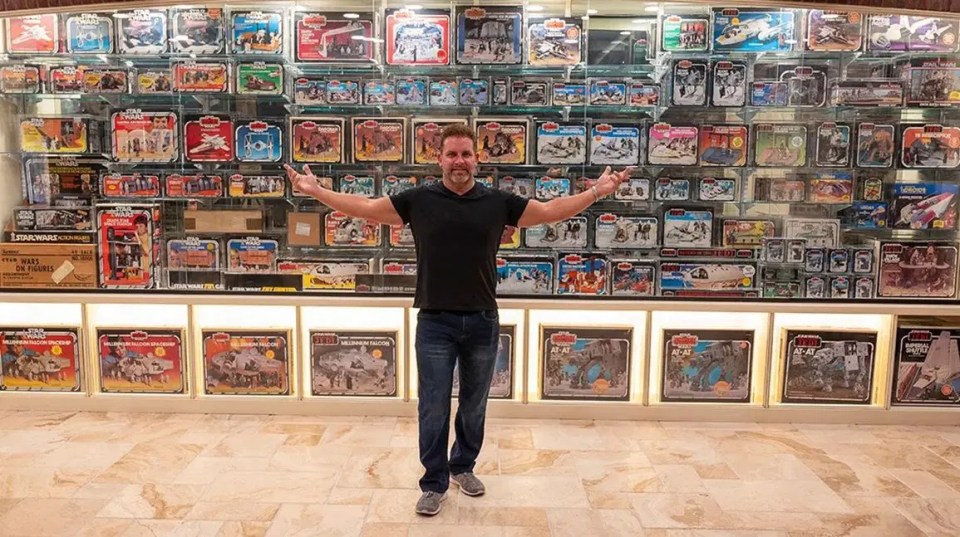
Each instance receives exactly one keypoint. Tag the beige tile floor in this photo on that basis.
(103, 475)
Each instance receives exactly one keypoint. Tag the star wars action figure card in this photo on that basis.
(197, 31)
(746, 30)
(246, 362)
(40, 359)
(833, 145)
(140, 136)
(317, 139)
(353, 363)
(554, 42)
(672, 146)
(256, 186)
(614, 145)
(717, 189)
(205, 77)
(632, 278)
(582, 274)
(686, 228)
(489, 35)
(89, 33)
(125, 235)
(259, 78)
(833, 31)
(781, 145)
(501, 387)
(252, 254)
(690, 83)
(501, 140)
(342, 230)
(875, 145)
(917, 269)
(426, 137)
(142, 32)
(706, 365)
(33, 34)
(130, 185)
(208, 138)
(55, 135)
(925, 206)
(613, 231)
(933, 82)
(379, 139)
(930, 146)
(256, 32)
(561, 143)
(525, 275)
(193, 186)
(569, 233)
(828, 367)
(723, 145)
(258, 141)
(569, 357)
(927, 369)
(334, 38)
(379, 93)
(20, 79)
(684, 33)
(903, 33)
(141, 361)
(417, 38)
(50, 179)
(193, 253)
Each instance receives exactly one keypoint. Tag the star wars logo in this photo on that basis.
(475, 13)
(684, 340)
(564, 340)
(808, 342)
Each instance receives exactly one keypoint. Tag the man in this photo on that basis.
(456, 224)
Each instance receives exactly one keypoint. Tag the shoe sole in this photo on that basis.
(433, 513)
(463, 490)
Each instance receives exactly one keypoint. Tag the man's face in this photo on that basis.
(458, 159)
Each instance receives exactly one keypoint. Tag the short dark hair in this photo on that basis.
(457, 130)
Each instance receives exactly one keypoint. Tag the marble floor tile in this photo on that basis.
(151, 463)
(204, 470)
(244, 528)
(367, 436)
(580, 522)
(396, 506)
(246, 445)
(172, 528)
(767, 495)
(783, 466)
(925, 484)
(233, 511)
(318, 521)
(41, 482)
(48, 517)
(153, 501)
(524, 491)
(933, 516)
(679, 478)
(532, 462)
(376, 468)
(472, 515)
(104, 527)
(272, 487)
(678, 511)
(379, 529)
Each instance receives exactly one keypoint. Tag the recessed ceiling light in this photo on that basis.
(651, 9)
(534, 8)
(625, 32)
(592, 12)
(351, 15)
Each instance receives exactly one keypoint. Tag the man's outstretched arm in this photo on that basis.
(538, 212)
(376, 209)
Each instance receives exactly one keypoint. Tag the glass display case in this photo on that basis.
(802, 154)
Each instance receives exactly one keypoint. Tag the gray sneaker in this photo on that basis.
(469, 484)
(429, 503)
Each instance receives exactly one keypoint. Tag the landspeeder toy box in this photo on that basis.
(614, 145)
(672, 146)
(828, 367)
(125, 235)
(259, 78)
(426, 137)
(924, 206)
(582, 274)
(140, 136)
(833, 31)
(561, 143)
(142, 32)
(748, 30)
(141, 361)
(585, 363)
(256, 32)
(927, 369)
(317, 139)
(40, 359)
(489, 35)
(554, 42)
(45, 218)
(615, 231)
(930, 146)
(630, 277)
(379, 139)
(706, 365)
(59, 135)
(780, 145)
(707, 275)
(334, 37)
(525, 275)
(917, 269)
(419, 37)
(903, 33)
(208, 138)
(723, 145)
(197, 31)
(33, 34)
(353, 363)
(246, 362)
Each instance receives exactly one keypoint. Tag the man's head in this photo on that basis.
(458, 155)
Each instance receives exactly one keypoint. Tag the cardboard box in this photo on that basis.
(227, 221)
(303, 229)
(48, 266)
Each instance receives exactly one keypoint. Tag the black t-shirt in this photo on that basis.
(457, 238)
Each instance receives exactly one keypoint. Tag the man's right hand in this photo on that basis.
(378, 209)
(303, 182)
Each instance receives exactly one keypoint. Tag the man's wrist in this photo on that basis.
(596, 193)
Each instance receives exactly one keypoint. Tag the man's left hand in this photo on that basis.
(609, 180)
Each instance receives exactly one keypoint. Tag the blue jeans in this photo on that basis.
(442, 339)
